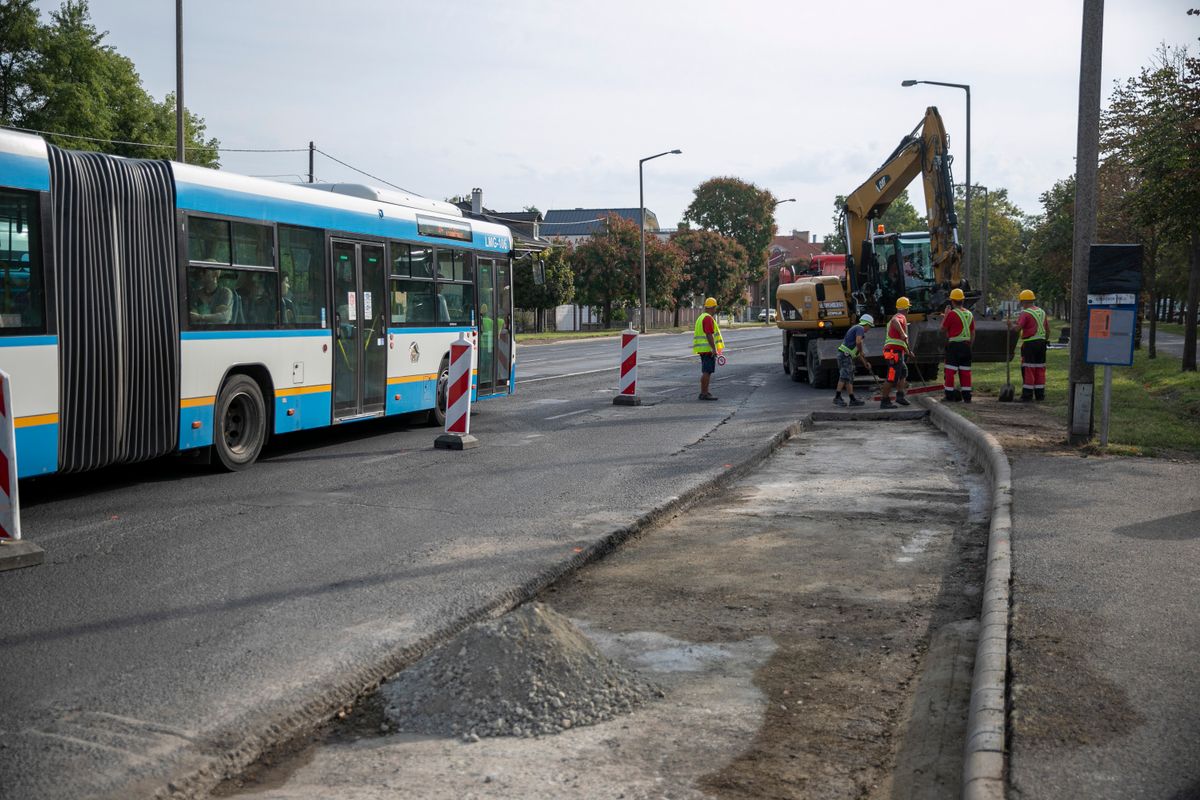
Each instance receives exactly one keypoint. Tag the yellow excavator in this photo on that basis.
(815, 311)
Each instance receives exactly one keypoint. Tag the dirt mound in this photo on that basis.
(529, 673)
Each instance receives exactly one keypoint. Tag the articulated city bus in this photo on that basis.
(149, 307)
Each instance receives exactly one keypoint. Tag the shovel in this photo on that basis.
(1006, 391)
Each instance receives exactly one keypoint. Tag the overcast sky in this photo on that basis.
(551, 104)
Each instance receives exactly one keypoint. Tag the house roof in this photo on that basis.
(589, 221)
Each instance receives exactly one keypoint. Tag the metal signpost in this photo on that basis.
(1114, 282)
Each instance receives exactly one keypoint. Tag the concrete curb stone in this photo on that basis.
(985, 752)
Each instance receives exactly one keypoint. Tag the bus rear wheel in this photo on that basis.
(437, 414)
(241, 423)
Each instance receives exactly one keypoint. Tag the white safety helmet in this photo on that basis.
(866, 319)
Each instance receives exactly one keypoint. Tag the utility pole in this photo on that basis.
(179, 120)
(1080, 392)
(310, 162)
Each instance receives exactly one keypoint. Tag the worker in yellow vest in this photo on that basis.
(959, 325)
(895, 351)
(1035, 333)
(708, 344)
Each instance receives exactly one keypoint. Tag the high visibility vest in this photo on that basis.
(700, 341)
(847, 349)
(902, 322)
(1039, 317)
(965, 317)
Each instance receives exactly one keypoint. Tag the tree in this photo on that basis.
(1048, 265)
(61, 78)
(713, 266)
(545, 282)
(608, 269)
(20, 43)
(1152, 130)
(741, 211)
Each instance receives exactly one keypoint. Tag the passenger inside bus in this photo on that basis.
(211, 303)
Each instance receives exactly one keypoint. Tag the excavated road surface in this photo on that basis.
(812, 629)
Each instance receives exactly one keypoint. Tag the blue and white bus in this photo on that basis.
(149, 307)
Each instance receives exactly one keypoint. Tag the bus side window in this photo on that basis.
(22, 301)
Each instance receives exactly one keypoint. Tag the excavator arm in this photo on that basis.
(923, 152)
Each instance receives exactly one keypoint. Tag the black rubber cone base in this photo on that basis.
(455, 441)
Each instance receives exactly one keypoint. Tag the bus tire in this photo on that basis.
(239, 423)
(437, 414)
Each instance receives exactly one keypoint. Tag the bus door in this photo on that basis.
(494, 289)
(359, 329)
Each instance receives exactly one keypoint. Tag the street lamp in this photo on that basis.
(642, 224)
(967, 89)
(769, 304)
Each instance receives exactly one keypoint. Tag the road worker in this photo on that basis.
(708, 344)
(850, 349)
(895, 350)
(1035, 332)
(959, 325)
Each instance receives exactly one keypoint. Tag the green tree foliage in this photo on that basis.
(608, 269)
(1151, 137)
(544, 281)
(713, 266)
(741, 211)
(1048, 263)
(20, 43)
(1008, 232)
(61, 77)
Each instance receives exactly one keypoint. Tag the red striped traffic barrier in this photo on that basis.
(458, 399)
(10, 506)
(15, 552)
(627, 386)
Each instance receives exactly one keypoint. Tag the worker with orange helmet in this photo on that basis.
(1035, 333)
(959, 325)
(895, 351)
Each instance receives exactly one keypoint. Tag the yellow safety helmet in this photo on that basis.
(902, 303)
(710, 302)
(957, 294)
(1027, 294)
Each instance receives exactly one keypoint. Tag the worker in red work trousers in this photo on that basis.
(959, 325)
(895, 350)
(1035, 332)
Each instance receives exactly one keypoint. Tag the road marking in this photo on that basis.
(569, 414)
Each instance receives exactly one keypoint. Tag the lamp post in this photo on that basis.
(769, 304)
(983, 238)
(642, 225)
(967, 89)
(179, 118)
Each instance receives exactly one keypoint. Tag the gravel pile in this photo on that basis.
(529, 673)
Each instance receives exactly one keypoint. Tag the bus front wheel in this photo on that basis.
(241, 423)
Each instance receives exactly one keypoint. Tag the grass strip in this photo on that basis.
(1155, 408)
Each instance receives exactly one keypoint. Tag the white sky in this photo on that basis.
(553, 103)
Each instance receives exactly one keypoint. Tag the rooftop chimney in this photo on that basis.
(477, 201)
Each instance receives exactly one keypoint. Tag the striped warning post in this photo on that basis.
(458, 399)
(627, 387)
(10, 507)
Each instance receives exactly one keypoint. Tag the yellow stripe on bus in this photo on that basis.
(35, 419)
(192, 402)
(295, 390)
(411, 379)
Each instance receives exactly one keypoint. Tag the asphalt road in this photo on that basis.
(184, 617)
